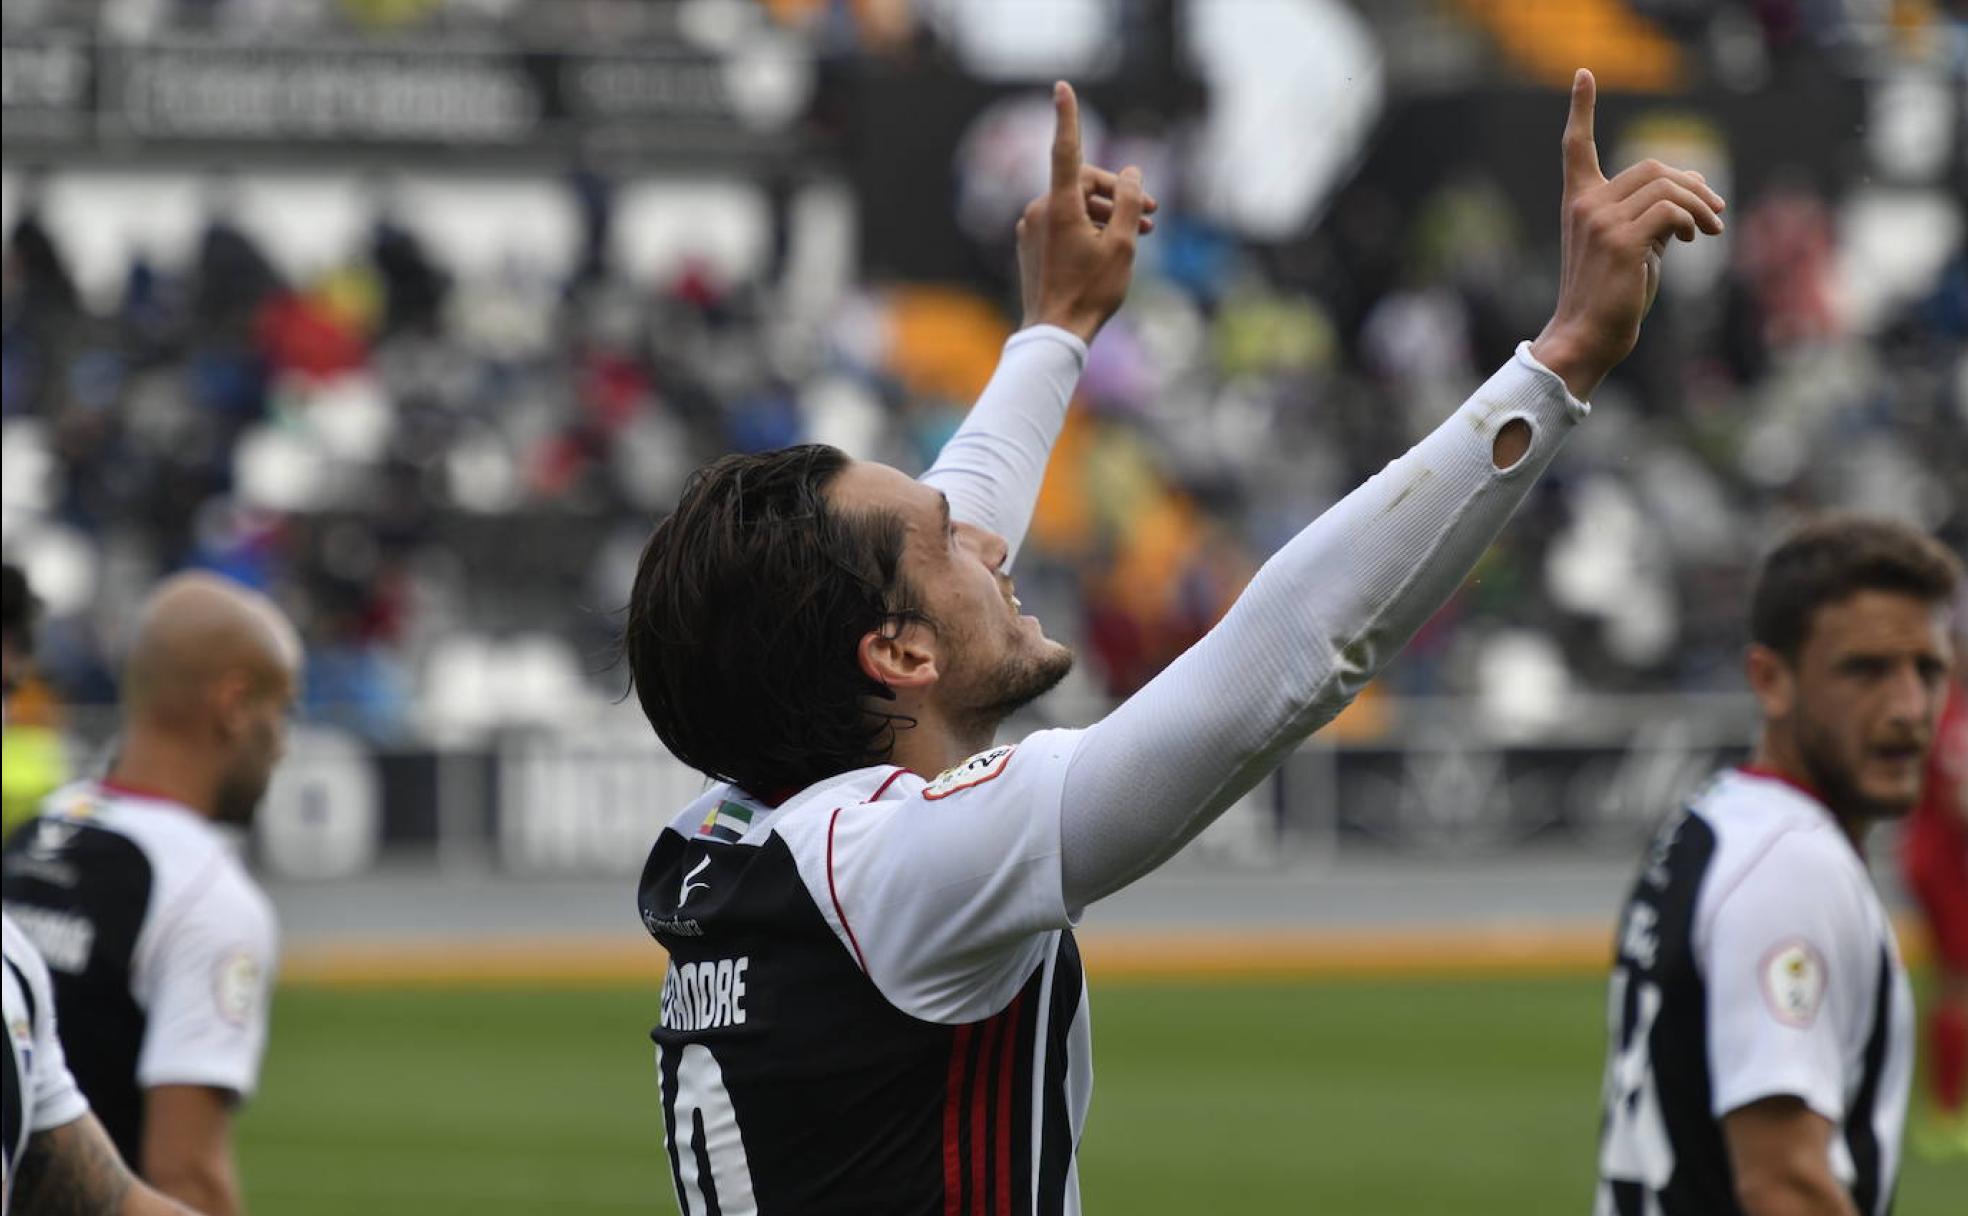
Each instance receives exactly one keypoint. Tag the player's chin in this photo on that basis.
(1890, 791)
(1051, 661)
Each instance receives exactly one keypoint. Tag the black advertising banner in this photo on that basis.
(69, 94)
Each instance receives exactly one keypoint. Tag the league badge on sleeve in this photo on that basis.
(22, 1031)
(237, 987)
(1793, 982)
(975, 771)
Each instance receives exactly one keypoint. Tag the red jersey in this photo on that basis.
(1940, 822)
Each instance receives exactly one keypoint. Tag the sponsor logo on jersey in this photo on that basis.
(1794, 981)
(980, 768)
(727, 821)
(705, 995)
(688, 888)
(676, 926)
(236, 987)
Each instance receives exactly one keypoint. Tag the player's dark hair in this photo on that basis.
(749, 605)
(17, 607)
(1837, 556)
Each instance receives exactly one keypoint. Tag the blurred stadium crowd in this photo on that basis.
(443, 467)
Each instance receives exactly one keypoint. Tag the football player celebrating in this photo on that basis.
(874, 1001)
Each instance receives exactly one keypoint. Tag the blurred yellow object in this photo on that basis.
(944, 341)
(33, 764)
(353, 295)
(388, 14)
(1551, 39)
(1062, 522)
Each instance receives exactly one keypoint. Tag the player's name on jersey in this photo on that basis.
(1640, 935)
(705, 995)
(64, 939)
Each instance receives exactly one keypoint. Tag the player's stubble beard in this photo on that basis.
(1834, 773)
(238, 799)
(245, 785)
(1011, 683)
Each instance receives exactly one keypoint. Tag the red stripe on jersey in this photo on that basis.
(832, 891)
(883, 787)
(1009, 1065)
(952, 1111)
(110, 785)
(835, 894)
(1770, 774)
(980, 1092)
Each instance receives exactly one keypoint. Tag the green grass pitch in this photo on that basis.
(1356, 1098)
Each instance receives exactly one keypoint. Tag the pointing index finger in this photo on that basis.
(1581, 153)
(1065, 141)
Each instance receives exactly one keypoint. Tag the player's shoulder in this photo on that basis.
(1754, 815)
(197, 874)
(1005, 774)
(168, 833)
(1004, 770)
(1774, 840)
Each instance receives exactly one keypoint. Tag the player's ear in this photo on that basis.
(900, 660)
(232, 704)
(1772, 680)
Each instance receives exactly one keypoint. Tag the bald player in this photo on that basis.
(161, 948)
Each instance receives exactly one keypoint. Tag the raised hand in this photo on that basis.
(1076, 241)
(1614, 234)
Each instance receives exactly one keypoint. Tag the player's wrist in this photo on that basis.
(1575, 361)
(1080, 322)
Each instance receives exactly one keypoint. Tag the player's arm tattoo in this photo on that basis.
(71, 1170)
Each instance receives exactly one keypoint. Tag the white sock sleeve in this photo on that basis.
(1319, 620)
(992, 467)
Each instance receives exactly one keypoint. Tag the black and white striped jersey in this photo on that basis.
(1753, 960)
(874, 1001)
(39, 1093)
(162, 948)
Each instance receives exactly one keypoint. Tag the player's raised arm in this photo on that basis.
(1330, 608)
(1075, 259)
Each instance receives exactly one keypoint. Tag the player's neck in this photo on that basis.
(162, 768)
(1778, 756)
(933, 745)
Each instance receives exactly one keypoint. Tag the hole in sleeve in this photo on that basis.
(1512, 442)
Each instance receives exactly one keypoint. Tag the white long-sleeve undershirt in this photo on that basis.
(992, 467)
(1319, 620)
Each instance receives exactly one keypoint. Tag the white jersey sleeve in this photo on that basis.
(205, 982)
(992, 468)
(1791, 961)
(49, 1095)
(1316, 624)
(946, 890)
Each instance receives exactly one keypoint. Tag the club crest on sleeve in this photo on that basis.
(236, 987)
(975, 771)
(23, 1034)
(1793, 981)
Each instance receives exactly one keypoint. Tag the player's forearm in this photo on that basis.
(1800, 1192)
(992, 467)
(1318, 621)
(213, 1190)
